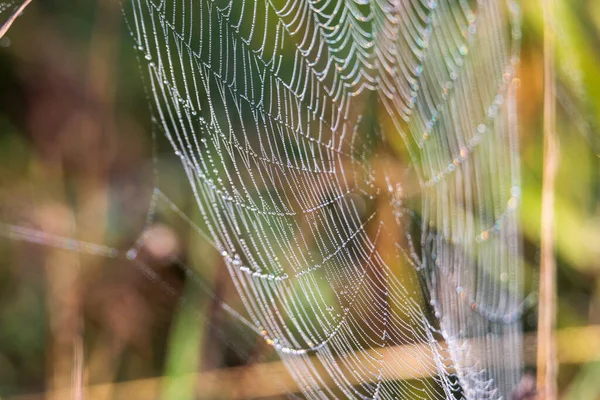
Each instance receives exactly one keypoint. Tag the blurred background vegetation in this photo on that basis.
(76, 162)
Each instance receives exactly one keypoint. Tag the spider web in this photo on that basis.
(314, 134)
(295, 121)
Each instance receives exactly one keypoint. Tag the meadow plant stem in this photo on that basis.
(547, 367)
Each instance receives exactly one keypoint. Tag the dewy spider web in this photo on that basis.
(283, 113)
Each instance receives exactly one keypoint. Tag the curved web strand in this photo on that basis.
(272, 107)
(6, 5)
(459, 123)
(10, 10)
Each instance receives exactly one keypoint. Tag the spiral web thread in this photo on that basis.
(280, 112)
(5, 5)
